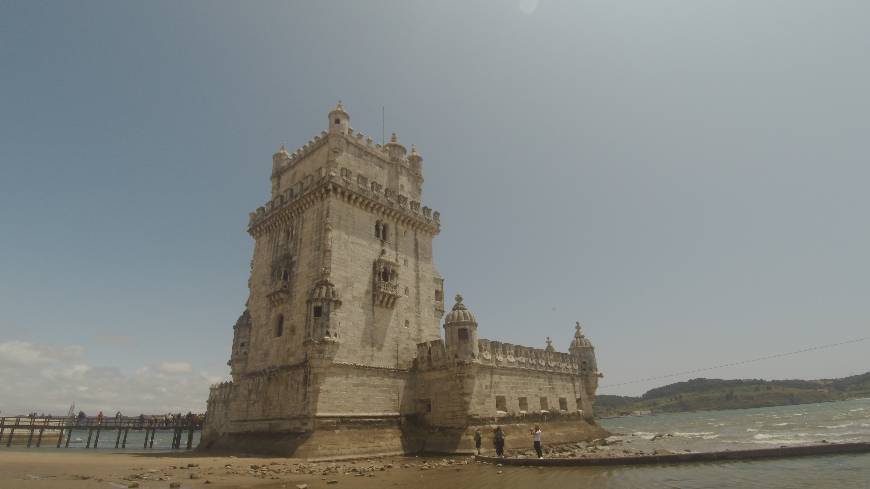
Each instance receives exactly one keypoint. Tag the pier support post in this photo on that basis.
(124, 442)
(97, 439)
(12, 431)
(90, 434)
(68, 436)
(151, 445)
(190, 437)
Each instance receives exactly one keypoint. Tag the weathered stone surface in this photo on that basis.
(339, 350)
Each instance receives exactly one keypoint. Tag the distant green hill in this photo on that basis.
(712, 394)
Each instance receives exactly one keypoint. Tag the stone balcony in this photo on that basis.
(386, 294)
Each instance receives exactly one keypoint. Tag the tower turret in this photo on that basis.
(339, 120)
(460, 333)
(278, 160)
(582, 349)
(415, 160)
(395, 149)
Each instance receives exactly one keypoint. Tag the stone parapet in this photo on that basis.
(500, 354)
(433, 354)
(287, 161)
(374, 197)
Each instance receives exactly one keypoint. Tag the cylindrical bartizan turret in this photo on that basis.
(339, 120)
(415, 160)
(395, 149)
(460, 333)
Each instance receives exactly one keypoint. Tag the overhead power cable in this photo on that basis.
(741, 362)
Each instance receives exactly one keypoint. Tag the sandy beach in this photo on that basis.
(70, 469)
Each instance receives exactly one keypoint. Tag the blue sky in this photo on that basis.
(686, 178)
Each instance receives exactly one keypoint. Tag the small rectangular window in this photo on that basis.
(318, 311)
(563, 404)
(463, 335)
(579, 404)
(545, 406)
(524, 404)
(501, 403)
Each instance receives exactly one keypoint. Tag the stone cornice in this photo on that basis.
(287, 206)
(371, 367)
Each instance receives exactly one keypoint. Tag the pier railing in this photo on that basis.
(59, 429)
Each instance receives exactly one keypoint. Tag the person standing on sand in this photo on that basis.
(499, 441)
(477, 440)
(536, 434)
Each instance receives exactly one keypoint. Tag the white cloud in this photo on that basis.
(528, 7)
(176, 367)
(47, 379)
(25, 354)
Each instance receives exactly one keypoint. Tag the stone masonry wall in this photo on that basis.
(353, 390)
(297, 242)
(543, 392)
(370, 334)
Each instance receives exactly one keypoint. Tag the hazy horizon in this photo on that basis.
(688, 179)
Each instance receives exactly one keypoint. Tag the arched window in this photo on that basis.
(385, 275)
(378, 230)
(279, 325)
(384, 232)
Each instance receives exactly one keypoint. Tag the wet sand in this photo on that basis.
(81, 469)
(75, 469)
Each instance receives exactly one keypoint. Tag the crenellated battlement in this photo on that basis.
(433, 354)
(284, 161)
(373, 195)
(501, 354)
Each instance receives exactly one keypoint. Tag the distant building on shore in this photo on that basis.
(339, 350)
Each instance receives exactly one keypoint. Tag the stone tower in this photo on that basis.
(342, 284)
(342, 261)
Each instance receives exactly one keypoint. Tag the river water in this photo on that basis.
(847, 421)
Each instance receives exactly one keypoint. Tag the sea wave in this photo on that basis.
(836, 426)
(695, 434)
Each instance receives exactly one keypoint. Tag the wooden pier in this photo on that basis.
(32, 431)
